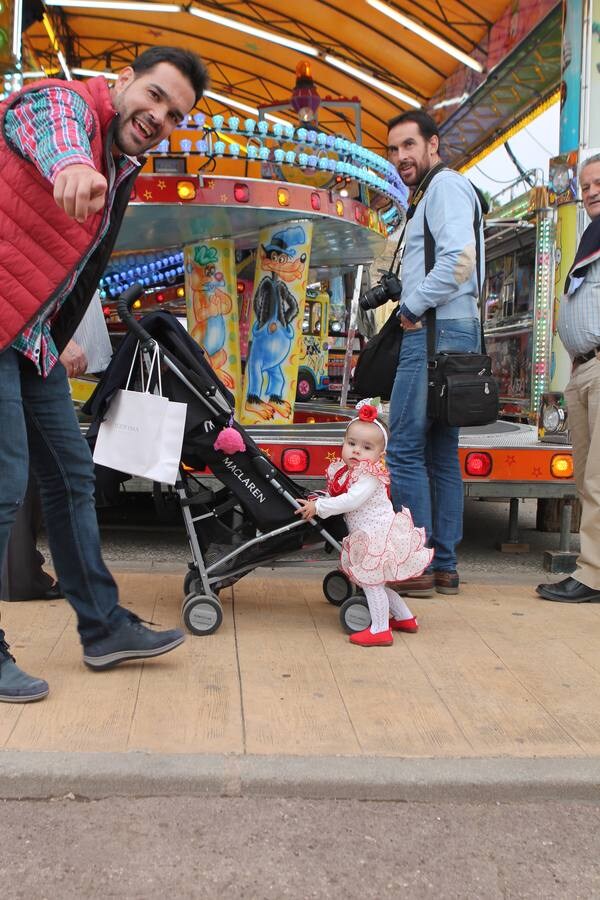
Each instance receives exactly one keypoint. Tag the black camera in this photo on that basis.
(389, 287)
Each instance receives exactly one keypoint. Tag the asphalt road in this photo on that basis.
(260, 848)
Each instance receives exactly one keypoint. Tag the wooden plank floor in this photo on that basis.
(494, 671)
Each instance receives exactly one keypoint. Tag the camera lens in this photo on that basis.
(373, 298)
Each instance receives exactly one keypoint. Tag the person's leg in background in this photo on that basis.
(408, 425)
(583, 403)
(23, 576)
(447, 491)
(15, 685)
(406, 454)
(447, 494)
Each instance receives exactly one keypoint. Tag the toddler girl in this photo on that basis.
(381, 546)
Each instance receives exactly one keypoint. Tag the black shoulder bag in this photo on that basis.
(376, 366)
(461, 388)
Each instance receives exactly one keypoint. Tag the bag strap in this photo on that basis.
(429, 264)
(155, 359)
(133, 359)
(397, 251)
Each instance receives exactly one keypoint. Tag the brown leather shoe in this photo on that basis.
(421, 586)
(446, 582)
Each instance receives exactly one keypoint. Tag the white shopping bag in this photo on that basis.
(142, 433)
(93, 338)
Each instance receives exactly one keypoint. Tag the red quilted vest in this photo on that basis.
(40, 245)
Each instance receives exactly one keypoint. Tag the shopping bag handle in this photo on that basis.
(138, 353)
(124, 304)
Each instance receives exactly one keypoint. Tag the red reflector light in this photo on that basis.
(478, 464)
(294, 460)
(315, 201)
(106, 310)
(241, 193)
(160, 298)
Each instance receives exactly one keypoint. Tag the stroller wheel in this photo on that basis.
(355, 615)
(337, 587)
(202, 613)
(190, 576)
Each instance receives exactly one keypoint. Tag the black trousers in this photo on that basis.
(22, 575)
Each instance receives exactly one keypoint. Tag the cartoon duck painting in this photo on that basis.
(272, 336)
(210, 303)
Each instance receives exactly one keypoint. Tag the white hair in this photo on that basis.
(588, 162)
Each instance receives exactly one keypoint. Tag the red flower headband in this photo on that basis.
(367, 413)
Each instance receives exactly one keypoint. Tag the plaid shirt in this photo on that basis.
(579, 313)
(50, 128)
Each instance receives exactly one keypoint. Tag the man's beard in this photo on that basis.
(130, 147)
(122, 144)
(420, 169)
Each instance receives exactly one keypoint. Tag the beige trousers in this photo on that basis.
(583, 401)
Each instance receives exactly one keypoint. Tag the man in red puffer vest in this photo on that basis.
(69, 153)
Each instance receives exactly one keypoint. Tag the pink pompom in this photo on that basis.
(230, 441)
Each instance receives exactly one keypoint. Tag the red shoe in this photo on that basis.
(409, 625)
(367, 639)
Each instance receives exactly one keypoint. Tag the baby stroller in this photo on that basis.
(248, 519)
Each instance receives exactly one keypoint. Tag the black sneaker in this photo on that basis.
(16, 686)
(131, 640)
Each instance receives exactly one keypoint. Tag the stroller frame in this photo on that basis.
(202, 611)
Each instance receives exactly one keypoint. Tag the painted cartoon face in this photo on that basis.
(207, 278)
(285, 267)
(363, 442)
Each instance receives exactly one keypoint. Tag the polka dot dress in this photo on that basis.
(382, 545)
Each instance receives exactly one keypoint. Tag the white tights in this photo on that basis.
(382, 600)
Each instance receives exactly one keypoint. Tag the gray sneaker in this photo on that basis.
(16, 686)
(131, 640)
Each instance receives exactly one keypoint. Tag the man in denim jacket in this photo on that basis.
(422, 455)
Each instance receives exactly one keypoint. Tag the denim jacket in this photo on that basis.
(451, 287)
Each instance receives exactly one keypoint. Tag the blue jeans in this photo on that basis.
(422, 455)
(38, 423)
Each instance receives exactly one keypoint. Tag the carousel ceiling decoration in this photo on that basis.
(391, 56)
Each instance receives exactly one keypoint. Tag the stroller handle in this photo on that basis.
(124, 304)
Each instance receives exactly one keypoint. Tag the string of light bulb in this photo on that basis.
(312, 149)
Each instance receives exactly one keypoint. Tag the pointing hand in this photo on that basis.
(80, 191)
